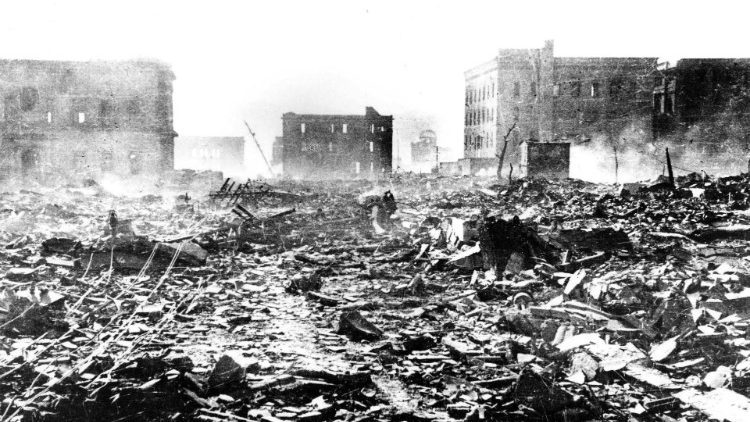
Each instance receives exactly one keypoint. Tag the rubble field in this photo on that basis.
(535, 300)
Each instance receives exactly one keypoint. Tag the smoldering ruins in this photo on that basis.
(586, 258)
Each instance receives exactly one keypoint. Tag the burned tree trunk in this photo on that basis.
(501, 157)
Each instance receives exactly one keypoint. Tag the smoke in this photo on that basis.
(627, 156)
(716, 147)
(601, 162)
(130, 187)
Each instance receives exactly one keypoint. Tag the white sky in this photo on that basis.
(239, 60)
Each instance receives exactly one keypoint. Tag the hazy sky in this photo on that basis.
(239, 60)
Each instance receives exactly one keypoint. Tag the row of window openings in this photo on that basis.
(81, 117)
(481, 94)
(344, 128)
(479, 142)
(488, 91)
(30, 97)
(664, 103)
(575, 91)
(477, 117)
(372, 146)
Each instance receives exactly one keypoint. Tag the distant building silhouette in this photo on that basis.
(219, 153)
(327, 146)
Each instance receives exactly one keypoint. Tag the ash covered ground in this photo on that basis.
(534, 300)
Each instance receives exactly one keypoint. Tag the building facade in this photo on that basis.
(529, 94)
(83, 119)
(219, 153)
(705, 100)
(424, 152)
(324, 146)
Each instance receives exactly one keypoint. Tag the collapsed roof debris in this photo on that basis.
(441, 299)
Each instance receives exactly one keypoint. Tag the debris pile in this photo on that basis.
(441, 299)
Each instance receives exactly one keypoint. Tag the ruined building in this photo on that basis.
(219, 153)
(325, 146)
(702, 101)
(424, 152)
(83, 119)
(529, 94)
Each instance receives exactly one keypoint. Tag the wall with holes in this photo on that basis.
(337, 146)
(70, 119)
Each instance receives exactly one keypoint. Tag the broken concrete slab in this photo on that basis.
(356, 327)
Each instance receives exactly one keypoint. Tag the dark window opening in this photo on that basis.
(590, 116)
(575, 88)
(29, 161)
(616, 88)
(29, 98)
(105, 112)
(532, 89)
(10, 107)
(595, 89)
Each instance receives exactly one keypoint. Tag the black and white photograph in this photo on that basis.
(374, 211)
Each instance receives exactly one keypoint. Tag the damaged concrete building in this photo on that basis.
(699, 101)
(424, 152)
(328, 146)
(63, 119)
(218, 153)
(531, 95)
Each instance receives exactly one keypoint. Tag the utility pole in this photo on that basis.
(669, 169)
(270, 169)
(437, 158)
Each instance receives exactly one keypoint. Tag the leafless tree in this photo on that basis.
(501, 156)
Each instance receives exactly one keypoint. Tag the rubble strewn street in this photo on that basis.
(538, 300)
